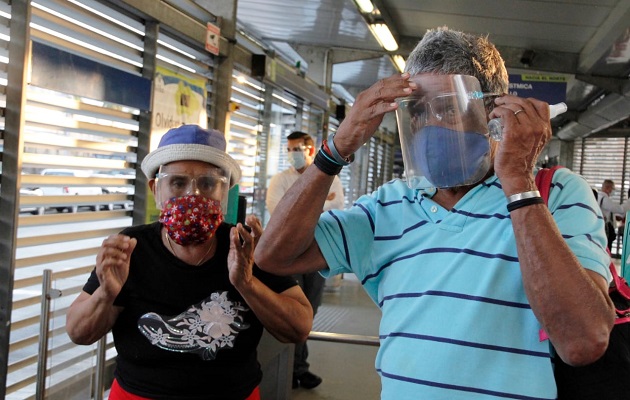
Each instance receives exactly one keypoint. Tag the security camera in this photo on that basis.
(528, 57)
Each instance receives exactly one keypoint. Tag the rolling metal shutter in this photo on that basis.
(244, 134)
(284, 120)
(72, 144)
(597, 159)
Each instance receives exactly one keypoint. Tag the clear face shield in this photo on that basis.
(444, 132)
(213, 184)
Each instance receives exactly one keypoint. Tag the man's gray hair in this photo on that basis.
(445, 51)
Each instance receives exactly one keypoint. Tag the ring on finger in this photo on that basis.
(518, 111)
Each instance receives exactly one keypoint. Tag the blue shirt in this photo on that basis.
(456, 323)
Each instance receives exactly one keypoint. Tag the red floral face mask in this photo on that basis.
(191, 219)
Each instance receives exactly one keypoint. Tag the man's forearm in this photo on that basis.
(571, 305)
(290, 231)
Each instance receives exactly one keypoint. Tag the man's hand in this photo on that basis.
(526, 131)
(367, 113)
(112, 263)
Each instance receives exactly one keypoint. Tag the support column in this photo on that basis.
(141, 194)
(19, 56)
(226, 11)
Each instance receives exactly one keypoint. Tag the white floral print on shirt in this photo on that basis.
(205, 328)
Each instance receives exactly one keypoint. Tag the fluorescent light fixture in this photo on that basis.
(365, 6)
(400, 62)
(384, 36)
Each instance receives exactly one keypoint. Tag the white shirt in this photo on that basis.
(281, 182)
(607, 206)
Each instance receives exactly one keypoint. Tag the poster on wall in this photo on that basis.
(178, 99)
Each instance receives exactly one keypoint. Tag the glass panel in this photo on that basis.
(283, 122)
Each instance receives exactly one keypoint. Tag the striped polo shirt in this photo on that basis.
(456, 323)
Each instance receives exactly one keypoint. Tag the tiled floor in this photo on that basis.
(347, 369)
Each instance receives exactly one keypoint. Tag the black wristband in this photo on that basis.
(524, 203)
(326, 165)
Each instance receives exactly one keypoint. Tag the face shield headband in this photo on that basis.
(444, 132)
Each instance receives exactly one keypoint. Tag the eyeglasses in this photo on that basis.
(297, 148)
(488, 100)
(182, 184)
(448, 107)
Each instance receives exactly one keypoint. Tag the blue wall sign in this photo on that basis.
(549, 88)
(65, 72)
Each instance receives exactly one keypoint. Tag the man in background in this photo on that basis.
(608, 209)
(300, 154)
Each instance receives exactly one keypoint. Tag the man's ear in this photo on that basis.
(152, 185)
(311, 151)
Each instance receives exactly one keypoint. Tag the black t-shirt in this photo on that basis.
(160, 283)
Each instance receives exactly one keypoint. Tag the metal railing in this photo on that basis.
(344, 338)
(49, 294)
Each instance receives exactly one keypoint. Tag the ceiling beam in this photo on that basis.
(340, 55)
(543, 61)
(613, 85)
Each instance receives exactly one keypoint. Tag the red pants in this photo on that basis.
(118, 393)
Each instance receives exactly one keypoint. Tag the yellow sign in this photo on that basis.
(543, 78)
(178, 99)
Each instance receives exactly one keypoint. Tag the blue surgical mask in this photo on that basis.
(450, 158)
(296, 159)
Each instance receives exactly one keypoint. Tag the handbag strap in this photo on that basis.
(543, 181)
(620, 283)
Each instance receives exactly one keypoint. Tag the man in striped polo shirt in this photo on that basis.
(463, 257)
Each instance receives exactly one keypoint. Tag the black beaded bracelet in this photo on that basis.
(524, 203)
(325, 164)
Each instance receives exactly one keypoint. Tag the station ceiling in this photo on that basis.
(585, 41)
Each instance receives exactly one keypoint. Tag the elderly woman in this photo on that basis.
(184, 301)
